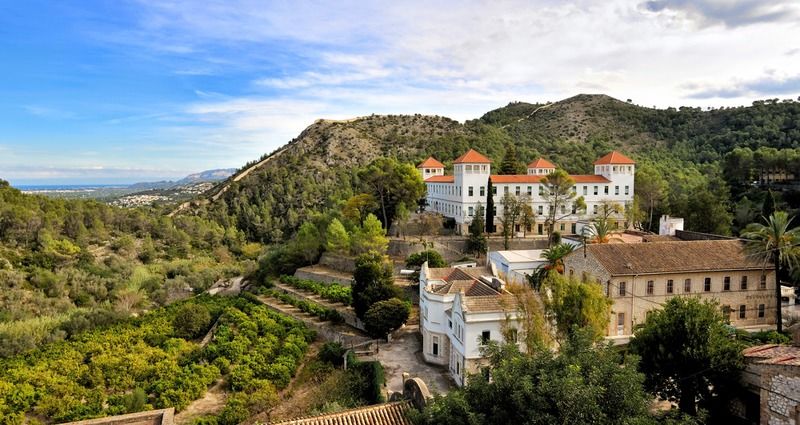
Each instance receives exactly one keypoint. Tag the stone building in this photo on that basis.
(640, 277)
(773, 377)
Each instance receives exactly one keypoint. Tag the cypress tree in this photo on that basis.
(489, 208)
(768, 207)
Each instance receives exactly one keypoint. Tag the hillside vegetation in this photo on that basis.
(684, 147)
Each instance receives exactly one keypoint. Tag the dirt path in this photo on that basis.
(531, 114)
(212, 403)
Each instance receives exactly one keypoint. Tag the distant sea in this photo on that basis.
(34, 188)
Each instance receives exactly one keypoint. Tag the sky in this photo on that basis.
(116, 91)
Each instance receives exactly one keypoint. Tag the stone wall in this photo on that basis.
(338, 262)
(780, 395)
(150, 417)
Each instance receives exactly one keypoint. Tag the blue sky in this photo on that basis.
(122, 91)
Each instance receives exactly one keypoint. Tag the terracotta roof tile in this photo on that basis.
(431, 162)
(381, 414)
(532, 178)
(489, 304)
(472, 157)
(774, 354)
(673, 257)
(614, 158)
(541, 163)
(440, 179)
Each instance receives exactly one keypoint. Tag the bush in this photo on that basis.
(191, 321)
(386, 316)
(373, 374)
(332, 352)
(433, 258)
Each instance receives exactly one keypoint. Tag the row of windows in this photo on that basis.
(471, 169)
(687, 285)
(449, 189)
(628, 169)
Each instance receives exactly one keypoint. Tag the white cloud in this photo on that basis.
(458, 59)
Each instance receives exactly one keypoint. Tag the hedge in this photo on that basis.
(332, 292)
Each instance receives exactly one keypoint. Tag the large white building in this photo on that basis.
(460, 310)
(459, 195)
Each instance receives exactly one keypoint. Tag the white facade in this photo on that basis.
(514, 266)
(459, 309)
(668, 225)
(458, 196)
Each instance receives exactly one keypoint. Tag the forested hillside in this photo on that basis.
(680, 153)
(70, 265)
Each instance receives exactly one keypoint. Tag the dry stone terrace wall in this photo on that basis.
(780, 395)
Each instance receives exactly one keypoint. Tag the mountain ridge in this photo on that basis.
(315, 170)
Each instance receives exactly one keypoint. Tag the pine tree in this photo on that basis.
(511, 163)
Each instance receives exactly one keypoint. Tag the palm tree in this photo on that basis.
(555, 256)
(777, 243)
(601, 232)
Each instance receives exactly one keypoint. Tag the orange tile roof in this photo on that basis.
(516, 178)
(431, 162)
(589, 178)
(774, 354)
(440, 179)
(472, 157)
(614, 158)
(541, 163)
(395, 413)
(525, 178)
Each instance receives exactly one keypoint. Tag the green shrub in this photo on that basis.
(332, 292)
(433, 258)
(191, 320)
(386, 316)
(332, 352)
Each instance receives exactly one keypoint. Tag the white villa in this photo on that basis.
(459, 195)
(461, 309)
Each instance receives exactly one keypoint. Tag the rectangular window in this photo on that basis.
(670, 286)
(742, 311)
(562, 227)
(650, 286)
(761, 309)
(622, 289)
(595, 190)
(505, 189)
(726, 283)
(539, 226)
(540, 210)
(450, 324)
(471, 211)
(541, 190)
(469, 191)
(585, 190)
(512, 336)
(435, 348)
(516, 191)
(616, 190)
(594, 209)
(485, 337)
(530, 190)
(482, 191)
(494, 190)
(707, 285)
(763, 283)
(574, 228)
(687, 285)
(605, 190)
(743, 285)
(627, 190)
